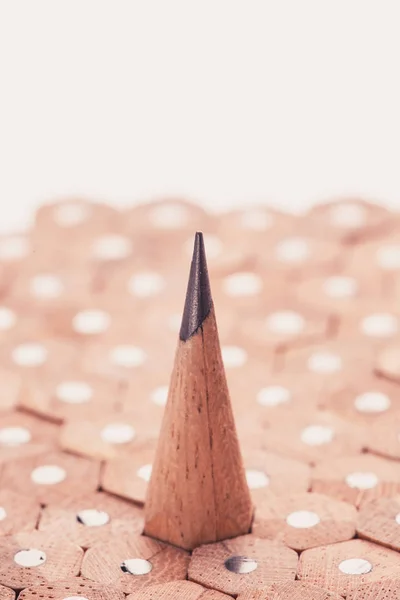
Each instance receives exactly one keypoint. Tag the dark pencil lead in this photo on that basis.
(198, 296)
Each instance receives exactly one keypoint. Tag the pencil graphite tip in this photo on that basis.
(198, 301)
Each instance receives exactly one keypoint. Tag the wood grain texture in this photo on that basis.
(329, 477)
(115, 479)
(275, 563)
(184, 590)
(21, 513)
(74, 586)
(377, 522)
(6, 593)
(62, 520)
(290, 590)
(380, 590)
(198, 491)
(337, 520)
(82, 475)
(102, 562)
(63, 560)
(320, 566)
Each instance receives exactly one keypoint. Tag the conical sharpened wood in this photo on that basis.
(198, 491)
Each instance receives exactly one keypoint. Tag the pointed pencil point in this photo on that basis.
(198, 296)
(198, 493)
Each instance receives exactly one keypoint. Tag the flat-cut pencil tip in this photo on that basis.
(198, 296)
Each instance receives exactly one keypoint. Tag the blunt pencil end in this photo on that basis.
(198, 296)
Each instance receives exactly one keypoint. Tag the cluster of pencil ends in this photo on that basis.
(287, 487)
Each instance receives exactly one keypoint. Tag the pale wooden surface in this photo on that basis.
(337, 520)
(275, 563)
(277, 391)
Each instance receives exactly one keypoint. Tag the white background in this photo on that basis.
(224, 101)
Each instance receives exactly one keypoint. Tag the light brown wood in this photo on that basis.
(184, 590)
(114, 477)
(23, 435)
(264, 562)
(269, 473)
(72, 587)
(33, 558)
(378, 521)
(90, 519)
(290, 590)
(381, 590)
(379, 478)
(19, 513)
(104, 562)
(198, 491)
(6, 593)
(69, 476)
(303, 521)
(323, 566)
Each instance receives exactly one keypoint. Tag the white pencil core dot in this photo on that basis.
(355, 566)
(362, 480)
(372, 402)
(241, 564)
(14, 436)
(8, 318)
(339, 287)
(72, 214)
(3, 513)
(388, 257)
(242, 284)
(46, 287)
(118, 433)
(169, 216)
(136, 566)
(350, 216)
(14, 248)
(92, 517)
(303, 519)
(317, 435)
(160, 395)
(91, 322)
(324, 363)
(144, 472)
(380, 325)
(127, 356)
(397, 518)
(285, 322)
(233, 356)
(273, 395)
(256, 220)
(29, 355)
(74, 392)
(294, 250)
(30, 558)
(256, 479)
(48, 475)
(145, 285)
(112, 247)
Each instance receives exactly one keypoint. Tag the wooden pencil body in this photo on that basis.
(198, 491)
